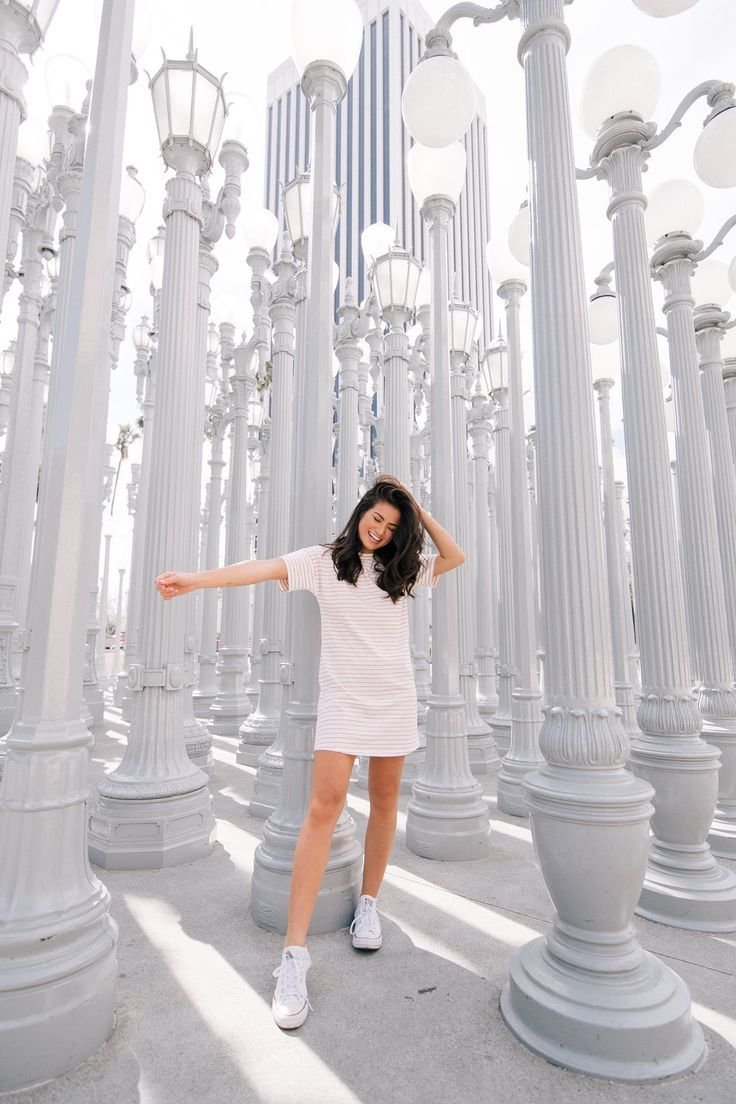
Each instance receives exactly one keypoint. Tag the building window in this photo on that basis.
(297, 130)
(268, 158)
(386, 121)
(374, 126)
(361, 163)
(278, 157)
(287, 171)
(349, 187)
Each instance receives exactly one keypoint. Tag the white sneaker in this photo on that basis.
(290, 1004)
(366, 927)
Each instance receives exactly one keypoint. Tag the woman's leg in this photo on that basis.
(330, 780)
(384, 778)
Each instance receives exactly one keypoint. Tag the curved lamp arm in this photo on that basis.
(718, 239)
(712, 89)
(439, 39)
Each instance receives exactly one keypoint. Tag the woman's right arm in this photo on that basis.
(173, 584)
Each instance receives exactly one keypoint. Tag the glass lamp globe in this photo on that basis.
(495, 366)
(213, 339)
(520, 235)
(242, 121)
(260, 228)
(155, 247)
(674, 205)
(438, 103)
(7, 360)
(39, 14)
(502, 264)
(395, 280)
(376, 240)
(156, 268)
(662, 8)
(424, 289)
(255, 413)
(463, 322)
(52, 265)
(229, 307)
(715, 150)
(142, 27)
(66, 81)
(732, 274)
(326, 30)
(603, 319)
(189, 108)
(126, 299)
(710, 283)
(132, 195)
(142, 335)
(33, 141)
(297, 202)
(436, 171)
(625, 78)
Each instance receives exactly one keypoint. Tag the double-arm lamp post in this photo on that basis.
(587, 995)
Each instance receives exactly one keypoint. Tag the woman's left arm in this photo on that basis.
(451, 554)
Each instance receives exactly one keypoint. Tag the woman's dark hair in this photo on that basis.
(399, 560)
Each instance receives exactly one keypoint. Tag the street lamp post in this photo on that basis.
(446, 817)
(496, 366)
(154, 809)
(586, 995)
(482, 752)
(485, 577)
(526, 700)
(327, 53)
(729, 387)
(618, 589)
(58, 948)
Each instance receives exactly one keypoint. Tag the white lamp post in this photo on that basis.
(572, 993)
(526, 700)
(485, 577)
(273, 687)
(118, 625)
(482, 752)
(618, 589)
(729, 388)
(669, 753)
(326, 50)
(154, 809)
(23, 26)
(446, 816)
(495, 367)
(57, 954)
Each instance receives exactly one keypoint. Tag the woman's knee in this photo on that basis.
(325, 806)
(383, 800)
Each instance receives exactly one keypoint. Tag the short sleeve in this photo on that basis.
(426, 576)
(301, 569)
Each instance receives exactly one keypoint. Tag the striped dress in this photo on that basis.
(367, 701)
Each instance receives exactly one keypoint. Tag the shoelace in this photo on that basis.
(291, 976)
(365, 911)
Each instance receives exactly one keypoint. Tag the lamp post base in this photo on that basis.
(483, 754)
(722, 838)
(637, 1027)
(227, 714)
(338, 894)
(129, 833)
(202, 703)
(269, 776)
(501, 728)
(257, 734)
(48, 1027)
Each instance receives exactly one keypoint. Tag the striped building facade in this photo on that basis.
(372, 146)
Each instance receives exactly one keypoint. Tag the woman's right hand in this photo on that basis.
(172, 584)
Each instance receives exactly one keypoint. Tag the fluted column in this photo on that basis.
(482, 752)
(526, 700)
(206, 689)
(618, 590)
(501, 722)
(154, 810)
(446, 816)
(632, 649)
(13, 76)
(485, 580)
(729, 387)
(419, 609)
(102, 609)
(713, 665)
(232, 706)
(531, 471)
(118, 625)
(58, 947)
(259, 733)
(348, 353)
(20, 458)
(708, 336)
(586, 994)
(324, 86)
(146, 367)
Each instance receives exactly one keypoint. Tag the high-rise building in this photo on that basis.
(372, 146)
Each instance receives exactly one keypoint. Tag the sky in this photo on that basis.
(246, 39)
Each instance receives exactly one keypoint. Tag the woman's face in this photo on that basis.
(377, 526)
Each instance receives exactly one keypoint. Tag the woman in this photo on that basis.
(367, 704)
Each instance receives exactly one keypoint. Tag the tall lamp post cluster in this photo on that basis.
(590, 754)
